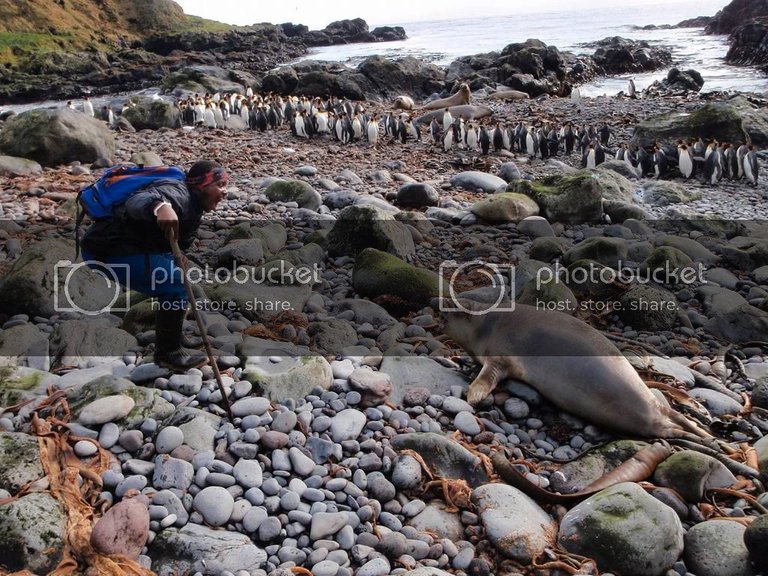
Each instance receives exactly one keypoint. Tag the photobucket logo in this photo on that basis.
(279, 274)
(593, 274)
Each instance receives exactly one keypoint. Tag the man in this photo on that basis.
(137, 239)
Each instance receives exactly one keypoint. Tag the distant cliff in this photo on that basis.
(62, 49)
(746, 21)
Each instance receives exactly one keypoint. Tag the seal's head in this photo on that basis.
(461, 318)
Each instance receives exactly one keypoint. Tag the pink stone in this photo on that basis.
(123, 529)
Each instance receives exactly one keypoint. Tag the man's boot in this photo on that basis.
(169, 353)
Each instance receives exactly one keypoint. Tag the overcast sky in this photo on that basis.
(317, 14)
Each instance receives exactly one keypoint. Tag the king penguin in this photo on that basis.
(684, 160)
(435, 131)
(372, 130)
(750, 166)
(485, 141)
(87, 106)
(447, 120)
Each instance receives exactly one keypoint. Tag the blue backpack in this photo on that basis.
(114, 187)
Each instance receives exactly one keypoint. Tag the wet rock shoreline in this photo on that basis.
(313, 471)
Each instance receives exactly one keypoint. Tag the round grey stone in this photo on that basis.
(106, 409)
(214, 504)
(168, 439)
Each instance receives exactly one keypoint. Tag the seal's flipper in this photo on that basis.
(485, 382)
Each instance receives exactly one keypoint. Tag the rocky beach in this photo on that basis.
(326, 278)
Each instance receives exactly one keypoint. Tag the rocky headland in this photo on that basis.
(351, 448)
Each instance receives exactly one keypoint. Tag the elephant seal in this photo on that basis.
(463, 96)
(403, 103)
(509, 95)
(570, 363)
(468, 111)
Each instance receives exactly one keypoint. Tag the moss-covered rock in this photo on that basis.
(620, 167)
(19, 461)
(575, 198)
(648, 307)
(665, 259)
(360, 227)
(625, 530)
(294, 376)
(550, 295)
(548, 248)
(23, 340)
(56, 136)
(29, 286)
(417, 220)
(505, 207)
(716, 120)
(153, 114)
(33, 533)
(273, 236)
(664, 193)
(12, 166)
(692, 473)
(620, 211)
(717, 548)
(591, 280)
(377, 273)
(606, 251)
(148, 402)
(294, 191)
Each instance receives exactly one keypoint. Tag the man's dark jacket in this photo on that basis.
(133, 227)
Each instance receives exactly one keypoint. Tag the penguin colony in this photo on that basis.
(348, 122)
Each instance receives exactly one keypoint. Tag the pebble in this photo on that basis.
(84, 448)
(107, 409)
(215, 505)
(168, 439)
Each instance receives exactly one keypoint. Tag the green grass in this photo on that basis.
(198, 24)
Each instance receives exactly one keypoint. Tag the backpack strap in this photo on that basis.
(79, 216)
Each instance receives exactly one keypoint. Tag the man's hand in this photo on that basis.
(168, 221)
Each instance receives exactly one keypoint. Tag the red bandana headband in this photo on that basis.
(218, 174)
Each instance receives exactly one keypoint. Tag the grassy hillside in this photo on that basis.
(31, 27)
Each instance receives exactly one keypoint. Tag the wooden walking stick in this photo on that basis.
(199, 319)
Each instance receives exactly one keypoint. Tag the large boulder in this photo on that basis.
(617, 55)
(294, 191)
(755, 119)
(19, 461)
(717, 548)
(513, 522)
(366, 226)
(44, 281)
(625, 530)
(33, 533)
(378, 273)
(710, 121)
(181, 551)
(407, 75)
(505, 207)
(12, 166)
(576, 198)
(56, 136)
(531, 67)
(749, 44)
(153, 114)
(283, 80)
(281, 370)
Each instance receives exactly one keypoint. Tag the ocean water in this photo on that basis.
(442, 41)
